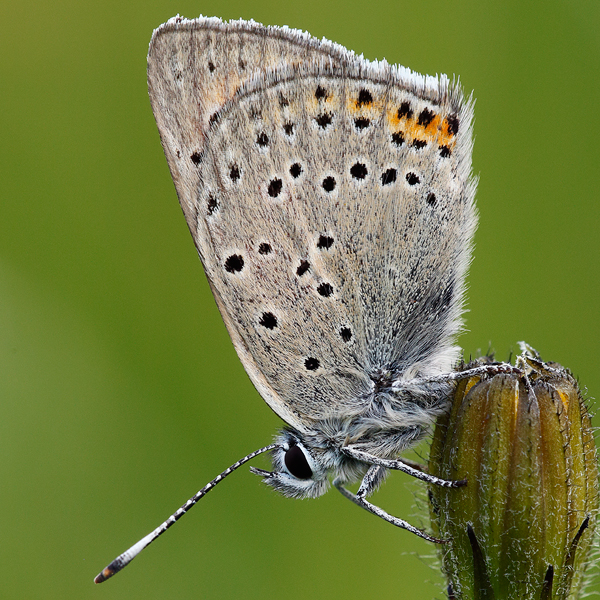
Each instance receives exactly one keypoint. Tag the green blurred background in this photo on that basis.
(120, 391)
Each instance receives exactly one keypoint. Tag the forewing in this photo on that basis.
(195, 66)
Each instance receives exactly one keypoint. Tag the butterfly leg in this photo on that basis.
(368, 485)
(400, 465)
(415, 465)
(493, 369)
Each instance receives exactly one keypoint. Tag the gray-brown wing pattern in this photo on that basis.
(332, 207)
(201, 64)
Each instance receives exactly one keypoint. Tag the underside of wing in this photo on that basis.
(331, 202)
(196, 66)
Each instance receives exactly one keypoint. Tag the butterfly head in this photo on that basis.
(299, 469)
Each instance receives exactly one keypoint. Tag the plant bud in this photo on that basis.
(523, 526)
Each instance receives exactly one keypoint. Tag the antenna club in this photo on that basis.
(105, 574)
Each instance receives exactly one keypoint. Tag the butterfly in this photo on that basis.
(331, 202)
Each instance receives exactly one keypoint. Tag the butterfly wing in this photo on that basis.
(331, 203)
(195, 67)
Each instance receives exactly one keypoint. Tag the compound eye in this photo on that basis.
(297, 464)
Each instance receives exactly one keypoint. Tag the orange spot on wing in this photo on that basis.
(366, 109)
(447, 137)
(392, 117)
(422, 132)
(437, 131)
(432, 128)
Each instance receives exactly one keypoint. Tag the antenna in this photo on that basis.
(124, 559)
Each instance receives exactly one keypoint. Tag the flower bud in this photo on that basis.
(523, 526)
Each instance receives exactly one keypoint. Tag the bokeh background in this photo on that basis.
(120, 392)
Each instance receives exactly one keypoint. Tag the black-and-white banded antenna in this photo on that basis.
(124, 559)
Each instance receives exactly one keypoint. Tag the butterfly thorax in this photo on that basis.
(398, 416)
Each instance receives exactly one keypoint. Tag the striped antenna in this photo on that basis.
(124, 559)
